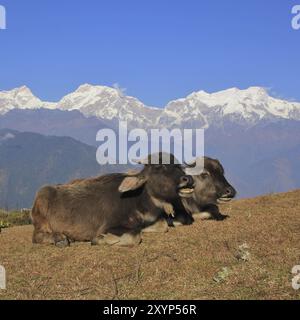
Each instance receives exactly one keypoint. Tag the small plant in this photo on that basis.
(243, 253)
(4, 224)
(222, 275)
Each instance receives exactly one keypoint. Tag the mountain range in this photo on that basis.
(244, 107)
(255, 136)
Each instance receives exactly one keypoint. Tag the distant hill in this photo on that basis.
(55, 122)
(277, 173)
(30, 160)
(262, 159)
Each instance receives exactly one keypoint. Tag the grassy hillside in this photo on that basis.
(248, 256)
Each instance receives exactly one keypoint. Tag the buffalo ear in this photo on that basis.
(132, 183)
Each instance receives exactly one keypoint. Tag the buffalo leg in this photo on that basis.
(119, 237)
(210, 212)
(182, 219)
(203, 215)
(161, 226)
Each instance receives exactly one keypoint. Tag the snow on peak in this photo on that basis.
(230, 95)
(107, 103)
(20, 98)
(248, 105)
(92, 89)
(21, 92)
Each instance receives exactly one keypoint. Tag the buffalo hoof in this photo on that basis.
(222, 217)
(62, 244)
(170, 222)
(178, 224)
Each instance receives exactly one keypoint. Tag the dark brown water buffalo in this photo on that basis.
(111, 209)
(211, 188)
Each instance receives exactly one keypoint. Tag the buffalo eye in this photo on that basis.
(205, 175)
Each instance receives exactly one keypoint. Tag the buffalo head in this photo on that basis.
(211, 186)
(163, 181)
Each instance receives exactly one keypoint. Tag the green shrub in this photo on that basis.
(14, 218)
(4, 224)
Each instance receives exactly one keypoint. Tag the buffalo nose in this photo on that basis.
(187, 180)
(230, 192)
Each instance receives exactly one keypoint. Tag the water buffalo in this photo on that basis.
(111, 209)
(211, 188)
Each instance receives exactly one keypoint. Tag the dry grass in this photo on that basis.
(185, 263)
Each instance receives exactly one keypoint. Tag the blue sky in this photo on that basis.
(157, 49)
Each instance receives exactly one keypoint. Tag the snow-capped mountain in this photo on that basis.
(243, 106)
(109, 103)
(21, 98)
(199, 109)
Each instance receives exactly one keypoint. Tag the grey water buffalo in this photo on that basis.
(112, 209)
(211, 188)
